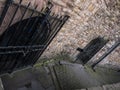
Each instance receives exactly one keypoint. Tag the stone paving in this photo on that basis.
(28, 79)
(75, 76)
(62, 76)
(88, 19)
(115, 86)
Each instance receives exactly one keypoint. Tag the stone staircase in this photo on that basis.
(115, 86)
(69, 76)
(62, 76)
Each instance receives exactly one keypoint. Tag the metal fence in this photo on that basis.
(23, 42)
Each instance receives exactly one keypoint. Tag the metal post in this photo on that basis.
(106, 54)
(6, 7)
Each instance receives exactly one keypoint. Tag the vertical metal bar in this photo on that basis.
(35, 22)
(18, 27)
(14, 13)
(57, 26)
(57, 29)
(31, 28)
(106, 54)
(37, 36)
(30, 18)
(6, 7)
(42, 24)
(55, 23)
(10, 39)
(55, 33)
(47, 13)
(39, 14)
(50, 27)
(21, 35)
(20, 22)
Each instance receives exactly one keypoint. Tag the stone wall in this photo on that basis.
(88, 19)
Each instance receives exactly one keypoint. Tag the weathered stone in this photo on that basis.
(88, 19)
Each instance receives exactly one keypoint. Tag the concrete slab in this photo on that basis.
(28, 79)
(95, 88)
(1, 85)
(72, 76)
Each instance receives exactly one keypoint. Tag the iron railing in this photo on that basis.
(117, 43)
(92, 48)
(23, 42)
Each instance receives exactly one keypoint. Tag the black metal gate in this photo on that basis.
(23, 43)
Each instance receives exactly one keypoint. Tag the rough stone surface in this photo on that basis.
(74, 76)
(105, 87)
(88, 19)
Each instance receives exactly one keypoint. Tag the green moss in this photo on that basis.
(56, 58)
(103, 75)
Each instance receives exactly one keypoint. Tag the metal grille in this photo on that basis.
(90, 49)
(23, 42)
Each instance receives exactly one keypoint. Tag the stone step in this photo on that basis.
(104, 87)
(71, 76)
